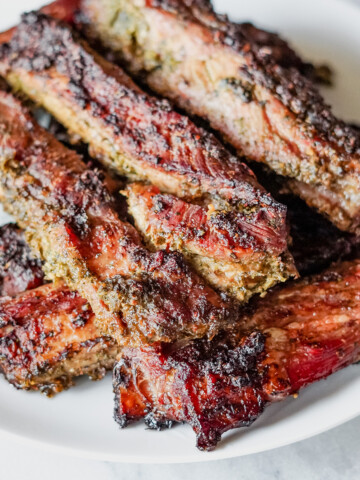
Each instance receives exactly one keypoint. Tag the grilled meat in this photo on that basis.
(209, 242)
(269, 112)
(315, 241)
(19, 270)
(269, 44)
(70, 220)
(48, 334)
(141, 137)
(299, 333)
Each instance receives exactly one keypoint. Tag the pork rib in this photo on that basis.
(70, 220)
(141, 137)
(316, 243)
(296, 335)
(47, 334)
(209, 242)
(268, 111)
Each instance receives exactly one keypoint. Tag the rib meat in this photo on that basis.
(271, 43)
(47, 334)
(209, 242)
(267, 110)
(141, 137)
(315, 242)
(70, 220)
(296, 335)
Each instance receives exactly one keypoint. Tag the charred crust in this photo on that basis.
(146, 293)
(300, 96)
(19, 269)
(121, 379)
(222, 356)
(83, 318)
(225, 221)
(89, 186)
(229, 365)
(120, 374)
(122, 420)
(48, 43)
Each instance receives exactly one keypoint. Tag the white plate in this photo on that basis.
(79, 421)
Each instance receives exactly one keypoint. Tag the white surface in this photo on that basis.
(80, 421)
(333, 455)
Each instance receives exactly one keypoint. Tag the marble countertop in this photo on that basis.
(329, 456)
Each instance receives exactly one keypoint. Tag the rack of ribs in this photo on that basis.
(48, 334)
(298, 334)
(43, 342)
(144, 139)
(267, 110)
(70, 221)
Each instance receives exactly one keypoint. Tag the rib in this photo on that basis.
(270, 43)
(210, 243)
(70, 220)
(294, 336)
(48, 334)
(315, 242)
(269, 112)
(141, 137)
